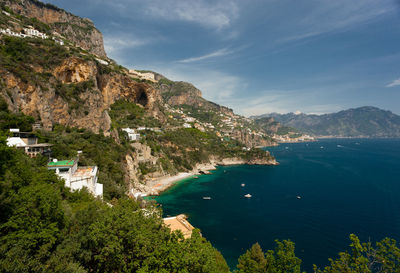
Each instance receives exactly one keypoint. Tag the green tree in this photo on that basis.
(364, 258)
(280, 260)
(252, 261)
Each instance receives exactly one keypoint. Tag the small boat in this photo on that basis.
(243, 184)
(322, 147)
(196, 177)
(298, 197)
(339, 146)
(206, 197)
(248, 195)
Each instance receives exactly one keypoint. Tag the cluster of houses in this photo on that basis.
(29, 32)
(224, 128)
(76, 178)
(288, 139)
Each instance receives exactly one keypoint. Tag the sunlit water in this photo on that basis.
(345, 186)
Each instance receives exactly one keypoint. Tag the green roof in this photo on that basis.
(66, 163)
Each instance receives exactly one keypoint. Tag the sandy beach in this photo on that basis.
(159, 185)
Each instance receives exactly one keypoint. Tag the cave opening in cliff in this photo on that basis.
(142, 98)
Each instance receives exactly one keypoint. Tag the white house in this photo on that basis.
(187, 125)
(28, 142)
(76, 177)
(132, 135)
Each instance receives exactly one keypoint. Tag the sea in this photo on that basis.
(319, 194)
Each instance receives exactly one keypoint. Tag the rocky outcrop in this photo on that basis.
(89, 109)
(251, 140)
(179, 93)
(80, 31)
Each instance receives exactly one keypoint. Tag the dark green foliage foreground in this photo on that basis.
(361, 258)
(46, 228)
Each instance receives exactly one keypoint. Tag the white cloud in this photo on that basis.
(115, 43)
(332, 16)
(215, 85)
(394, 83)
(280, 103)
(218, 53)
(215, 14)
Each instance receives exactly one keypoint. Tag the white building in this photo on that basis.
(28, 142)
(189, 119)
(187, 125)
(76, 177)
(132, 135)
(102, 61)
(34, 32)
(143, 75)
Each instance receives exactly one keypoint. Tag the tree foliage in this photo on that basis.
(280, 260)
(364, 258)
(46, 228)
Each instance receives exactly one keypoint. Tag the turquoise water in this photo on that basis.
(346, 186)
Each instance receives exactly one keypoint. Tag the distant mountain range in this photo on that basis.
(364, 121)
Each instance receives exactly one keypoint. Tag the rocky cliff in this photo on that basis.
(80, 31)
(77, 92)
(184, 93)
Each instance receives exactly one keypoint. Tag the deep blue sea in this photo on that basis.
(346, 186)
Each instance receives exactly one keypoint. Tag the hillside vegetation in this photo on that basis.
(46, 228)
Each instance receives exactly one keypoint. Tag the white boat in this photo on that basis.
(243, 184)
(298, 197)
(248, 195)
(206, 197)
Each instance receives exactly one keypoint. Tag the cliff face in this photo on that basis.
(252, 140)
(98, 92)
(80, 31)
(179, 93)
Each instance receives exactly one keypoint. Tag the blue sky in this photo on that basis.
(259, 56)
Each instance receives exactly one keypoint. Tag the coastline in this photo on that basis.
(157, 186)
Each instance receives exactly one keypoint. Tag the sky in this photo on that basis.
(260, 56)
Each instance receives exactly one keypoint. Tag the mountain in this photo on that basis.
(364, 121)
(55, 21)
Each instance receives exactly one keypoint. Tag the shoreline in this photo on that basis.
(157, 186)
